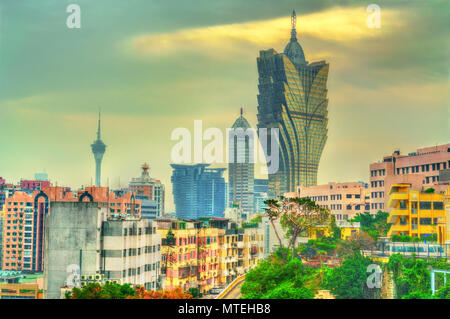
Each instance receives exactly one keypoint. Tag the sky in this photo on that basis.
(153, 66)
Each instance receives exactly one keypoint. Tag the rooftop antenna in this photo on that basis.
(293, 25)
(99, 120)
(293, 19)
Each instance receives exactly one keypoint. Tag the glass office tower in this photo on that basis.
(198, 191)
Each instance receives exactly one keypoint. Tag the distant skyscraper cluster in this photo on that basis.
(293, 98)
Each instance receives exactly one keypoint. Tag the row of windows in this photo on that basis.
(138, 231)
(137, 271)
(138, 251)
(377, 194)
(377, 183)
(20, 204)
(378, 172)
(334, 197)
(377, 206)
(422, 168)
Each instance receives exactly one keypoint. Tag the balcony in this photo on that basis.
(395, 197)
(397, 213)
(398, 228)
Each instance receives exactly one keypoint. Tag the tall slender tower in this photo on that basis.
(241, 171)
(98, 148)
(293, 98)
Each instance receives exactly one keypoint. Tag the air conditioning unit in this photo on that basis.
(83, 277)
(83, 283)
(98, 277)
(91, 277)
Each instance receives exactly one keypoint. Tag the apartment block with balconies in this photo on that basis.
(420, 168)
(414, 212)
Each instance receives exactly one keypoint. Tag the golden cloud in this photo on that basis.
(337, 24)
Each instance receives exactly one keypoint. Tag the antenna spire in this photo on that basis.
(242, 111)
(293, 24)
(98, 130)
(293, 19)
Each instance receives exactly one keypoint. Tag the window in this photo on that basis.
(425, 205)
(425, 221)
(438, 205)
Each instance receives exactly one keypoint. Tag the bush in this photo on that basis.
(272, 279)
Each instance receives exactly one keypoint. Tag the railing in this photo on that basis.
(230, 287)
(418, 250)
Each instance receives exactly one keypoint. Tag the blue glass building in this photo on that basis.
(198, 191)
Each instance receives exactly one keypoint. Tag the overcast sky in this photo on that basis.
(153, 66)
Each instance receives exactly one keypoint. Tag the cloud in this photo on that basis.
(334, 25)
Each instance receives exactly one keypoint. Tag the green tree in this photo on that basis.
(298, 216)
(375, 226)
(96, 291)
(349, 281)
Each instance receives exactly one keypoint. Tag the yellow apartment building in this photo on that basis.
(414, 213)
(179, 257)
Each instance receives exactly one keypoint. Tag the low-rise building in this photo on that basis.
(414, 212)
(344, 200)
(20, 291)
(423, 166)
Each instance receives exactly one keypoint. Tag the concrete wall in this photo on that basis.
(71, 227)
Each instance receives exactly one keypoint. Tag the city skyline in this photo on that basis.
(373, 73)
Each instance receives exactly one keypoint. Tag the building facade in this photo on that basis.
(2, 216)
(293, 99)
(25, 221)
(344, 200)
(198, 191)
(414, 212)
(209, 252)
(101, 248)
(421, 168)
(151, 192)
(261, 189)
(241, 165)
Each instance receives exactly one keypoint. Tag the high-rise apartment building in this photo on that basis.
(2, 216)
(420, 168)
(198, 191)
(26, 214)
(101, 247)
(241, 167)
(151, 192)
(293, 99)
